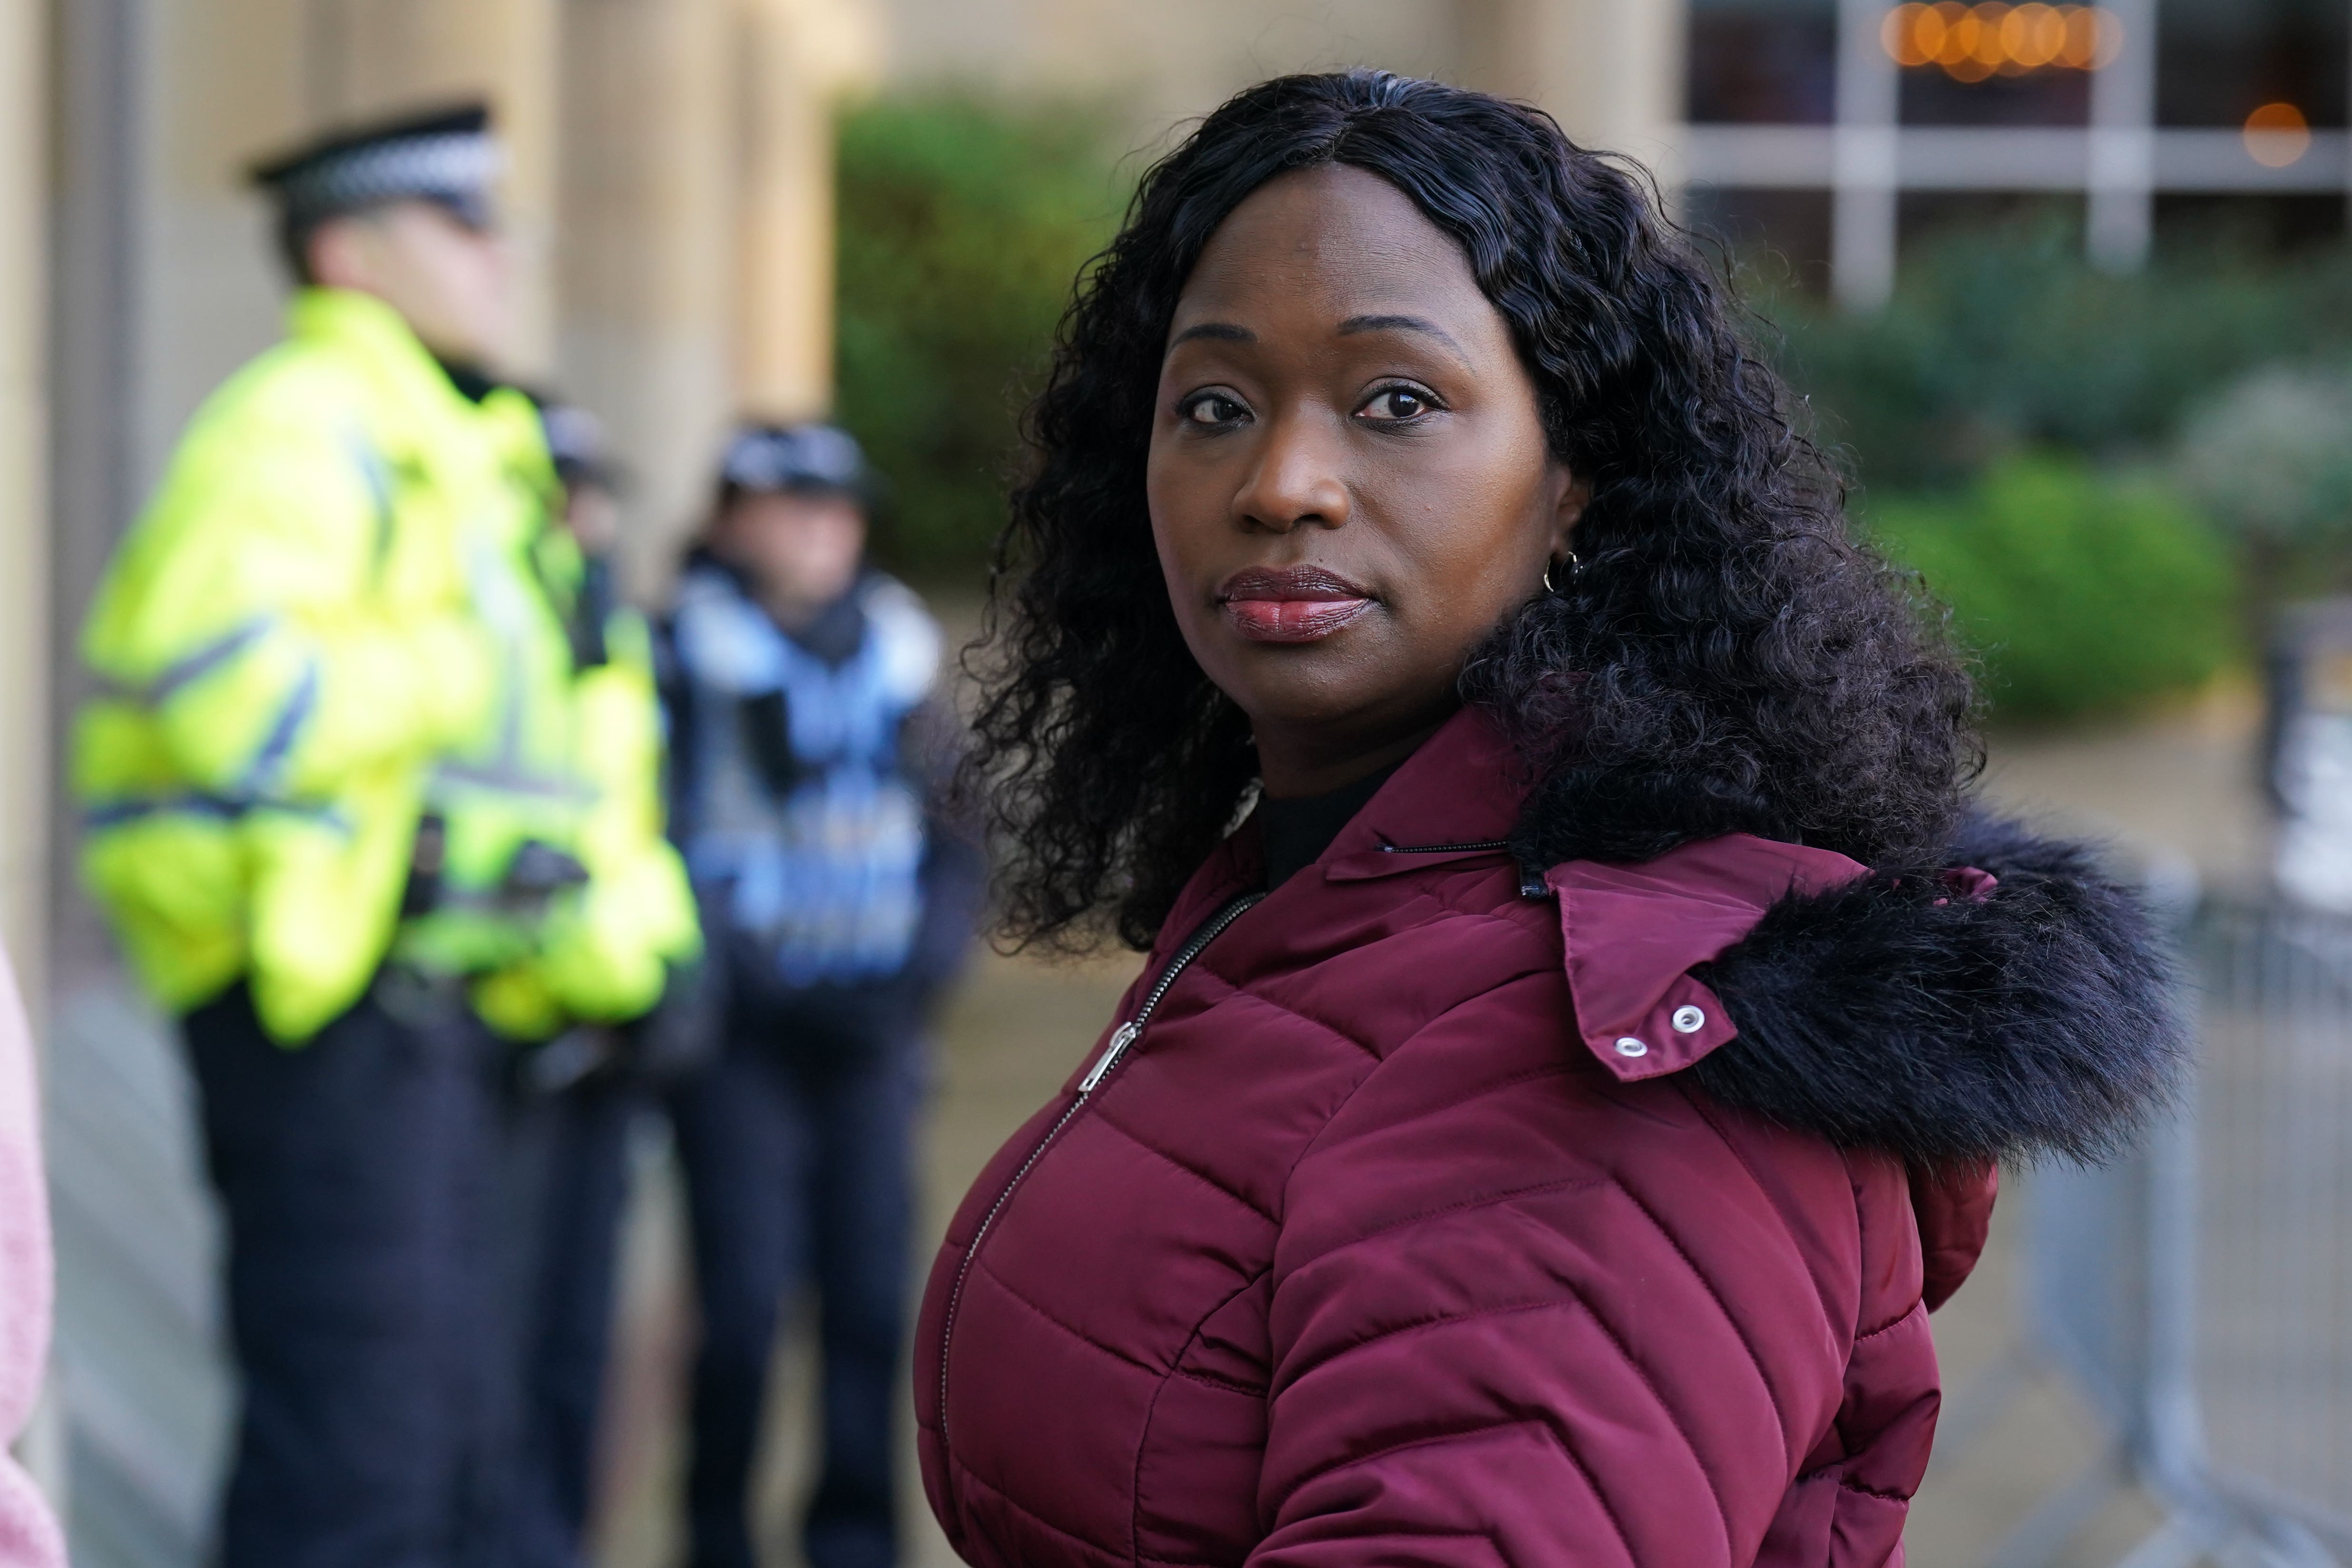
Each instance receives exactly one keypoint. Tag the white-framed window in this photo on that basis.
(1832, 128)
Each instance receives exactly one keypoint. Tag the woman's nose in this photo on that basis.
(1297, 479)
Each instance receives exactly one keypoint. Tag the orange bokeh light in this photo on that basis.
(2276, 135)
(1969, 42)
(2033, 34)
(1901, 33)
(1959, 51)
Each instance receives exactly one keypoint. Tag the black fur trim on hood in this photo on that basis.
(1899, 1014)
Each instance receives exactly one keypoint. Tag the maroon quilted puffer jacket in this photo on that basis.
(1427, 1211)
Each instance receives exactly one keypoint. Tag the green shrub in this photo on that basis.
(2080, 592)
(2271, 457)
(961, 228)
(2004, 340)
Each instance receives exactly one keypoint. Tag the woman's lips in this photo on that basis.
(1291, 603)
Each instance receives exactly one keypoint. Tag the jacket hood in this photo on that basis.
(2030, 1013)
(2016, 1005)
(2016, 1002)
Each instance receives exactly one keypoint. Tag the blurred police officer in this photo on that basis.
(576, 1101)
(808, 743)
(346, 817)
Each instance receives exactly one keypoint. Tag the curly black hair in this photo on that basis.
(1728, 659)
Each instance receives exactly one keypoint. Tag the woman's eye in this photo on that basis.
(1213, 409)
(1396, 405)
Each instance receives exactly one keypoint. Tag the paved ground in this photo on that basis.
(2177, 785)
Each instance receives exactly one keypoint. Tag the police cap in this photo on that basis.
(805, 460)
(447, 155)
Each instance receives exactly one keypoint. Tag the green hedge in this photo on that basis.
(2271, 457)
(2005, 341)
(962, 226)
(2080, 592)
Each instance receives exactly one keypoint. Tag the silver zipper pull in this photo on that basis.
(1120, 1038)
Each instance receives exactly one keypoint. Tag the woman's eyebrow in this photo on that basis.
(1223, 332)
(1401, 324)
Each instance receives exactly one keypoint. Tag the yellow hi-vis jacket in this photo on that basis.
(566, 756)
(602, 951)
(293, 640)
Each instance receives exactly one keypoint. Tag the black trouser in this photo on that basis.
(796, 1145)
(571, 1164)
(358, 1174)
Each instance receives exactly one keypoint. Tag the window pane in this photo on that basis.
(1778, 238)
(2219, 60)
(1995, 64)
(1763, 62)
(1923, 218)
(2200, 224)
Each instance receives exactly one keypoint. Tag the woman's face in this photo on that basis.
(1348, 480)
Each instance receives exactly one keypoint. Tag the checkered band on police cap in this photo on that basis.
(448, 157)
(794, 457)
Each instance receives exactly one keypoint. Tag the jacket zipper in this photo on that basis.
(1531, 880)
(1125, 1036)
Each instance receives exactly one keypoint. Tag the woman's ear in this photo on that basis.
(1566, 513)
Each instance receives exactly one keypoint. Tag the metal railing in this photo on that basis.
(2199, 1293)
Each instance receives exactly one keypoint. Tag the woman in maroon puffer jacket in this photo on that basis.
(1543, 1125)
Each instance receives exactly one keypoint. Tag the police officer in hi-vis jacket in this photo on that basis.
(364, 822)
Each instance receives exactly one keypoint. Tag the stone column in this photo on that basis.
(646, 271)
(24, 737)
(1610, 71)
(799, 58)
(222, 84)
(373, 57)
